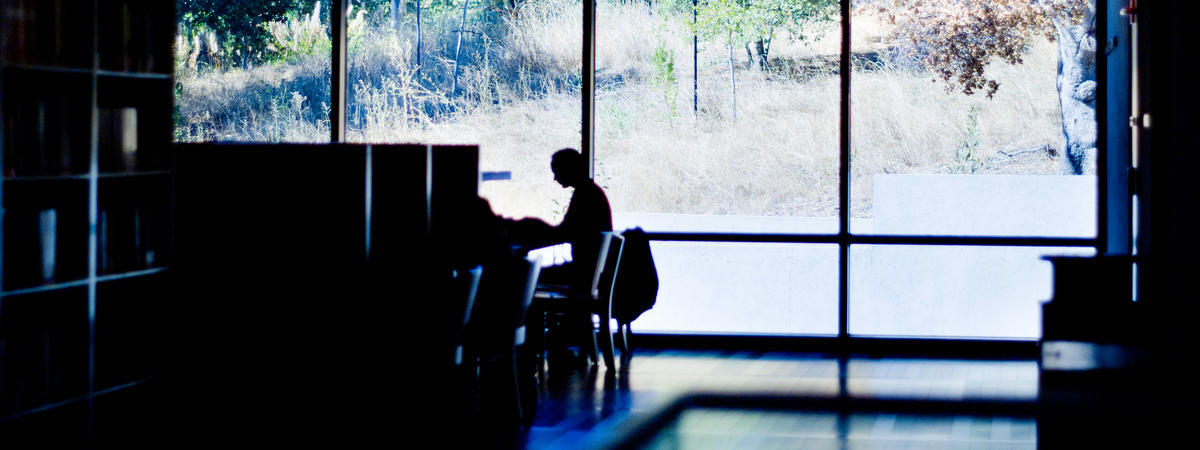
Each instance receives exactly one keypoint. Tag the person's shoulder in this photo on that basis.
(592, 193)
(591, 188)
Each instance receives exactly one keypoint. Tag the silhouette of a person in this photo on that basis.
(587, 216)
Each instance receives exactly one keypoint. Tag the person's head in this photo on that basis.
(568, 167)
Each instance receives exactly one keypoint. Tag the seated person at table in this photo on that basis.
(587, 216)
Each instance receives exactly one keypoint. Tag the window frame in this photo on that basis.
(1105, 234)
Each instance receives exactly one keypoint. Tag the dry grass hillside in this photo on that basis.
(518, 95)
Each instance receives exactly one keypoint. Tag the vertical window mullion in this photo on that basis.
(337, 73)
(844, 177)
(588, 87)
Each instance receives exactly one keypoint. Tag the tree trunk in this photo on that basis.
(396, 14)
(1077, 92)
(732, 79)
(695, 66)
(418, 36)
(458, 47)
(762, 46)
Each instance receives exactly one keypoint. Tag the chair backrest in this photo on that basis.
(469, 280)
(530, 286)
(612, 263)
(463, 288)
(505, 295)
(534, 268)
(602, 252)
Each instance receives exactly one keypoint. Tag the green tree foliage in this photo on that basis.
(664, 75)
(238, 19)
(239, 27)
(296, 37)
(759, 21)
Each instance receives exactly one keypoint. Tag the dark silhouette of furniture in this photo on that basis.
(496, 335)
(565, 302)
(623, 342)
(294, 263)
(638, 281)
(463, 289)
(87, 240)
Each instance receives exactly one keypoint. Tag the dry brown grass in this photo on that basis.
(779, 157)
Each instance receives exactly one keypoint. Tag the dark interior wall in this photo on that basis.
(1168, 239)
(282, 322)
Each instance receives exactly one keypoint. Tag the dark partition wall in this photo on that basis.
(271, 240)
(400, 201)
(307, 276)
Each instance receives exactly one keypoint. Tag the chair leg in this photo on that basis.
(623, 329)
(606, 342)
(581, 328)
(514, 398)
(527, 383)
(592, 350)
(621, 340)
(537, 332)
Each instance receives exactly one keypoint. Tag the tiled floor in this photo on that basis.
(583, 409)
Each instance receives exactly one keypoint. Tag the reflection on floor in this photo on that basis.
(733, 428)
(585, 408)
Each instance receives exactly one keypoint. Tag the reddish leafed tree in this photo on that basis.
(957, 39)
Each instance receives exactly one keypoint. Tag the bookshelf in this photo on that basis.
(87, 180)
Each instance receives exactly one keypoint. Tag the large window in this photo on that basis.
(252, 71)
(456, 71)
(967, 119)
(698, 121)
(927, 154)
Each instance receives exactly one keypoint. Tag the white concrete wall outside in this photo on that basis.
(937, 291)
(985, 205)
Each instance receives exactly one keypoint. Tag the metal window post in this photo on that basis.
(588, 87)
(844, 180)
(337, 73)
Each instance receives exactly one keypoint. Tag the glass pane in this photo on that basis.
(740, 288)
(962, 124)
(460, 72)
(942, 379)
(950, 291)
(252, 71)
(730, 124)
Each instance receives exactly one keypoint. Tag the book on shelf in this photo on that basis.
(130, 36)
(118, 139)
(126, 239)
(17, 30)
(48, 240)
(143, 247)
(104, 259)
(35, 249)
(40, 137)
(59, 33)
(45, 32)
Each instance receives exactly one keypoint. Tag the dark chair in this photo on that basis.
(497, 333)
(455, 292)
(624, 334)
(636, 288)
(595, 301)
(464, 286)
